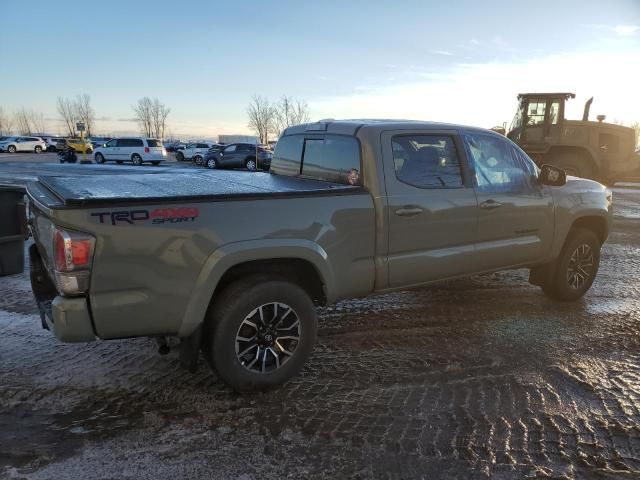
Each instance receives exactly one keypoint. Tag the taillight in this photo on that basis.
(73, 256)
(146, 150)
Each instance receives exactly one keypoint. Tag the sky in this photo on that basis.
(460, 61)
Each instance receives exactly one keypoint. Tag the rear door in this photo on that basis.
(432, 207)
(515, 213)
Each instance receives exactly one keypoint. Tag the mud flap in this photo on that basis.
(190, 350)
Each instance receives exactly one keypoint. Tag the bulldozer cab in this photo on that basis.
(539, 115)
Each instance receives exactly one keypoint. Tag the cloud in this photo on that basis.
(442, 52)
(626, 30)
(484, 94)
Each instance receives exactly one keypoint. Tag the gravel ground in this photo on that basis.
(477, 378)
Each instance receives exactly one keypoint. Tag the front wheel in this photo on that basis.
(211, 163)
(11, 149)
(99, 158)
(179, 156)
(136, 159)
(576, 267)
(260, 333)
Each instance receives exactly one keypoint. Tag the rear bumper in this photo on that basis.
(68, 318)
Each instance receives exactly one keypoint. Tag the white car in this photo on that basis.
(137, 150)
(23, 144)
(194, 151)
(52, 143)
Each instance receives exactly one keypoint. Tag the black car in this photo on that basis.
(239, 155)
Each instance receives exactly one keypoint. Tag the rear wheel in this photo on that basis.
(179, 156)
(198, 160)
(99, 158)
(260, 333)
(574, 164)
(136, 159)
(251, 164)
(38, 149)
(576, 267)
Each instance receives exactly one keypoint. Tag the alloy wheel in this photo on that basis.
(251, 165)
(268, 337)
(581, 266)
(211, 163)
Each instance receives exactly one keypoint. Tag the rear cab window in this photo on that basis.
(330, 158)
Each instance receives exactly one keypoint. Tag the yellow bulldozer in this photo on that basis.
(584, 148)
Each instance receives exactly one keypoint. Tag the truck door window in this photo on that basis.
(496, 168)
(554, 109)
(287, 155)
(426, 161)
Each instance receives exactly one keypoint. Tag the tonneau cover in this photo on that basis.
(190, 185)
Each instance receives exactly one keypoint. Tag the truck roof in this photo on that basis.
(352, 126)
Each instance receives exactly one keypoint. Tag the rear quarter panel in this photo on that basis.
(149, 277)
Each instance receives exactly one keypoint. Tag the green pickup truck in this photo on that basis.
(234, 263)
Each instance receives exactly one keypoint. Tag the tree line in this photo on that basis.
(271, 118)
(151, 116)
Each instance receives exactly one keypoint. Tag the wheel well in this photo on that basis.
(596, 224)
(300, 272)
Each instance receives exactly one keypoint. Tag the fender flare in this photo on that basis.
(232, 254)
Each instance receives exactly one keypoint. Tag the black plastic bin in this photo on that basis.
(12, 230)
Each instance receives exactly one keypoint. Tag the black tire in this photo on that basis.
(198, 160)
(119, 162)
(51, 148)
(251, 164)
(180, 156)
(11, 149)
(211, 163)
(155, 163)
(38, 149)
(88, 151)
(574, 164)
(561, 286)
(136, 159)
(226, 321)
(99, 158)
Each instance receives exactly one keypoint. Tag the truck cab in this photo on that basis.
(583, 148)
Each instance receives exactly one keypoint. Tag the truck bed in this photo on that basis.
(203, 185)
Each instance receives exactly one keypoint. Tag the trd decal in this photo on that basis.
(143, 216)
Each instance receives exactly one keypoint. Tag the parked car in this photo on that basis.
(137, 150)
(23, 144)
(194, 151)
(235, 265)
(52, 143)
(211, 158)
(242, 155)
(80, 145)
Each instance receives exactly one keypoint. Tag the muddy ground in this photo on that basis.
(478, 378)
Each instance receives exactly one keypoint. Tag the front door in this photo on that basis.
(515, 213)
(431, 207)
(110, 149)
(228, 156)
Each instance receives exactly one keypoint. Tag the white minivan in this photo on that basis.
(137, 150)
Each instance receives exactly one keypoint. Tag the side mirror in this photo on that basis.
(553, 176)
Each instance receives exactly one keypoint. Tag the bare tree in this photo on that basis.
(144, 115)
(69, 114)
(84, 112)
(22, 119)
(290, 111)
(36, 120)
(262, 117)
(159, 114)
(6, 124)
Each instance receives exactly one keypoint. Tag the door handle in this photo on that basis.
(490, 204)
(408, 211)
